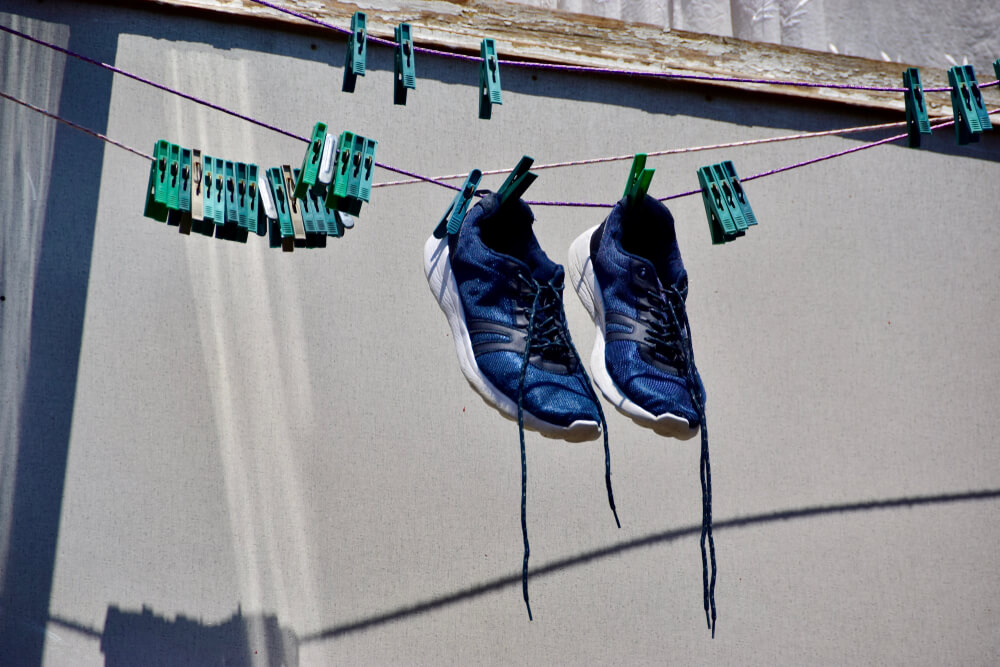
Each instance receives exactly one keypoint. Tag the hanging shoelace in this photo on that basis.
(676, 346)
(548, 336)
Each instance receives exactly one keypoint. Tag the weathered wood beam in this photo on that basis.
(531, 33)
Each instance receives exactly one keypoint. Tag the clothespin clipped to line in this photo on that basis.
(489, 79)
(405, 72)
(917, 121)
(513, 187)
(729, 213)
(452, 219)
(357, 50)
(198, 194)
(639, 179)
(971, 117)
(213, 196)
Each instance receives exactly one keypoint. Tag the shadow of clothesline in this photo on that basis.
(645, 541)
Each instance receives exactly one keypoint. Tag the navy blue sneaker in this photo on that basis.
(503, 299)
(503, 295)
(629, 275)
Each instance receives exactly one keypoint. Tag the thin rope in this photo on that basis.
(529, 202)
(154, 84)
(669, 151)
(198, 100)
(75, 126)
(602, 70)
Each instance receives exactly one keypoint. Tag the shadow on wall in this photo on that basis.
(143, 638)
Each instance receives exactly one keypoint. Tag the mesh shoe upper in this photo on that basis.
(509, 289)
(643, 284)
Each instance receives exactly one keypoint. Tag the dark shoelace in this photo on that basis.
(673, 300)
(549, 336)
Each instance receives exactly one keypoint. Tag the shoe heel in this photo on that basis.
(581, 271)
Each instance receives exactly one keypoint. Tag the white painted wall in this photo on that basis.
(203, 428)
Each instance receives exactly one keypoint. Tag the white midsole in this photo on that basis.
(437, 268)
(581, 273)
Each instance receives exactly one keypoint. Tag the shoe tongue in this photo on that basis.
(508, 231)
(648, 233)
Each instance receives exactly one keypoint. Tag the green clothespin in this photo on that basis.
(183, 213)
(336, 192)
(307, 207)
(309, 172)
(353, 171)
(996, 68)
(367, 170)
(729, 170)
(518, 181)
(242, 197)
(726, 219)
(639, 179)
(232, 216)
(171, 188)
(253, 197)
(452, 219)
(917, 122)
(489, 79)
(282, 234)
(405, 71)
(356, 51)
(967, 105)
(215, 199)
(156, 205)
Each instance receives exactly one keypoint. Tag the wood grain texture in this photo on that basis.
(530, 33)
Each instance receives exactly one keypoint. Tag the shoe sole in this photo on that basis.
(437, 269)
(581, 273)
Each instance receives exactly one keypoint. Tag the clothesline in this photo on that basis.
(440, 181)
(603, 70)
(770, 172)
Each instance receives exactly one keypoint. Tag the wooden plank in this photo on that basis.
(531, 33)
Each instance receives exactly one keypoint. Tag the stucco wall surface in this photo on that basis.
(218, 444)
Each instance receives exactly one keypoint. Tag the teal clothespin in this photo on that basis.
(281, 234)
(352, 181)
(156, 205)
(452, 219)
(518, 181)
(639, 179)
(357, 49)
(172, 189)
(996, 68)
(309, 172)
(724, 201)
(729, 170)
(253, 201)
(489, 79)
(337, 190)
(242, 197)
(367, 170)
(232, 209)
(917, 122)
(307, 207)
(183, 213)
(215, 201)
(406, 76)
(967, 105)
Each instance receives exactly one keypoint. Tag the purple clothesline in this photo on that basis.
(397, 170)
(602, 70)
